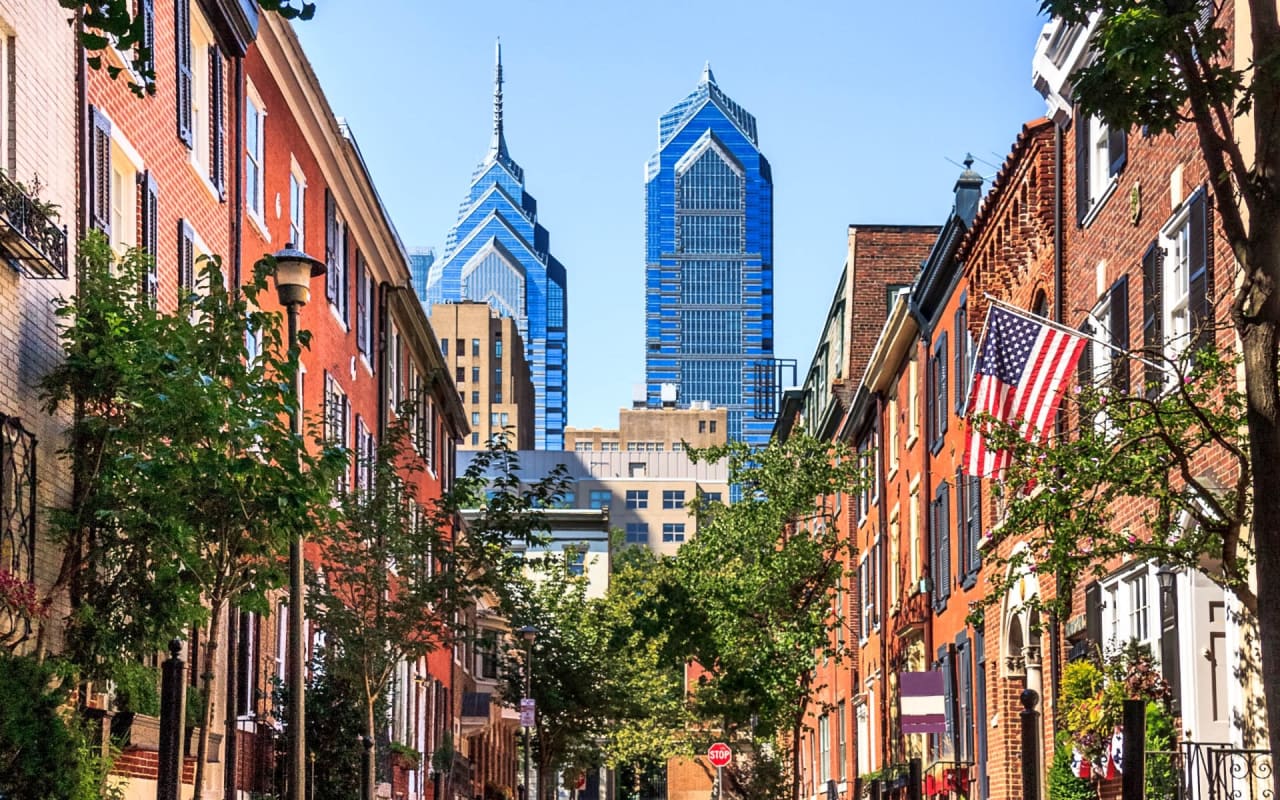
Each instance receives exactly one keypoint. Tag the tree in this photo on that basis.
(396, 573)
(116, 24)
(1164, 64)
(190, 481)
(758, 580)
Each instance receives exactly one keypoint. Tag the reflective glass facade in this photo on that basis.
(498, 253)
(709, 258)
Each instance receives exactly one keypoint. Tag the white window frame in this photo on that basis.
(200, 155)
(1133, 606)
(1102, 182)
(297, 205)
(255, 114)
(1175, 284)
(126, 166)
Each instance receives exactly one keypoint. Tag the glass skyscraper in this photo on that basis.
(497, 253)
(709, 261)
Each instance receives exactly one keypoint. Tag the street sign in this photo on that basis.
(719, 755)
(528, 713)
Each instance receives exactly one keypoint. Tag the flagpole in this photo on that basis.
(1012, 309)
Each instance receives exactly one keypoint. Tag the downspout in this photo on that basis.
(1059, 308)
(237, 172)
(82, 131)
(383, 357)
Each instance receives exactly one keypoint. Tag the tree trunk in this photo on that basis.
(796, 726)
(206, 683)
(370, 750)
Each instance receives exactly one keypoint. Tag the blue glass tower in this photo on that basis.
(497, 253)
(709, 261)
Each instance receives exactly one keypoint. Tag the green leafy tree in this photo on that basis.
(396, 572)
(1166, 63)
(116, 24)
(758, 582)
(190, 481)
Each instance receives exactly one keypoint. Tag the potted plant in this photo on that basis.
(136, 721)
(404, 756)
(194, 708)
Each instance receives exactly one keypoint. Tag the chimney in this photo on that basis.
(968, 192)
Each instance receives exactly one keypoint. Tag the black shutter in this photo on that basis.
(962, 342)
(1169, 648)
(1117, 148)
(100, 172)
(1093, 615)
(962, 525)
(1153, 317)
(186, 260)
(1119, 299)
(1080, 129)
(362, 324)
(147, 47)
(943, 577)
(344, 278)
(942, 385)
(331, 245)
(946, 662)
(149, 233)
(1084, 370)
(1201, 270)
(182, 46)
(964, 699)
(217, 121)
(974, 496)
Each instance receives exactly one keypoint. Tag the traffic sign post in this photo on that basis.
(719, 755)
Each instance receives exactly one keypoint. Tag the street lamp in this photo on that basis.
(528, 633)
(293, 272)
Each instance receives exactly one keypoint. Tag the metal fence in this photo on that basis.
(1212, 771)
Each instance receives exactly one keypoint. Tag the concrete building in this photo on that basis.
(485, 357)
(654, 430)
(649, 495)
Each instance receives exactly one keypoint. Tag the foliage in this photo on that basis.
(1063, 784)
(45, 751)
(137, 688)
(115, 26)
(399, 573)
(190, 481)
(193, 708)
(1166, 63)
(406, 753)
(442, 758)
(335, 725)
(1132, 449)
(757, 585)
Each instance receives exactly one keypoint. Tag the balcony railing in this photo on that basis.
(30, 239)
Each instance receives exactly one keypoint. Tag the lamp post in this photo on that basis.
(528, 634)
(293, 272)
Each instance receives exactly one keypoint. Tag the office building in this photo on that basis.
(709, 261)
(497, 253)
(654, 430)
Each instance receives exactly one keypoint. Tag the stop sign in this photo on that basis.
(719, 754)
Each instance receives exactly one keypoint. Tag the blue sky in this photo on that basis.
(859, 106)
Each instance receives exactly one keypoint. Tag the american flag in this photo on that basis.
(1021, 372)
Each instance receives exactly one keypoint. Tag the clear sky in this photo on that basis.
(860, 106)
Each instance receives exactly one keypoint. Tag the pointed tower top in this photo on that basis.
(707, 75)
(499, 144)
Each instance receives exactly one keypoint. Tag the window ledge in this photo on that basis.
(338, 316)
(911, 441)
(199, 170)
(1096, 208)
(259, 223)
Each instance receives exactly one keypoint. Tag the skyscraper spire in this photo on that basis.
(499, 144)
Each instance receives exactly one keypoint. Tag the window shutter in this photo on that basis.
(964, 699)
(331, 245)
(1153, 316)
(100, 173)
(1084, 368)
(942, 578)
(930, 397)
(961, 374)
(148, 231)
(344, 279)
(974, 497)
(1201, 274)
(182, 36)
(946, 662)
(186, 259)
(1119, 301)
(1093, 614)
(942, 384)
(147, 47)
(218, 121)
(1080, 129)
(1117, 148)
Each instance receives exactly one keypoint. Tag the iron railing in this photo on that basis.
(17, 518)
(1213, 771)
(30, 239)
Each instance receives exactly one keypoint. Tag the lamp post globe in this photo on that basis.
(293, 272)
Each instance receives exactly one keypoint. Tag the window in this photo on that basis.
(1101, 152)
(824, 748)
(182, 61)
(206, 100)
(505, 418)
(673, 498)
(336, 247)
(937, 398)
(891, 429)
(712, 497)
(475, 348)
(497, 395)
(637, 498)
(475, 398)
(366, 455)
(149, 230)
(1102, 361)
(913, 531)
(1178, 283)
(895, 546)
(497, 347)
(187, 278)
(337, 410)
(600, 498)
(493, 419)
(247, 665)
(1139, 602)
(913, 399)
(842, 751)
(255, 119)
(444, 347)
(964, 356)
(713, 426)
(637, 533)
(297, 207)
(460, 376)
(475, 439)
(364, 308)
(673, 531)
(864, 470)
(968, 527)
(475, 419)
(891, 293)
(475, 374)
(575, 559)
(282, 639)
(702, 426)
(461, 347)
(497, 378)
